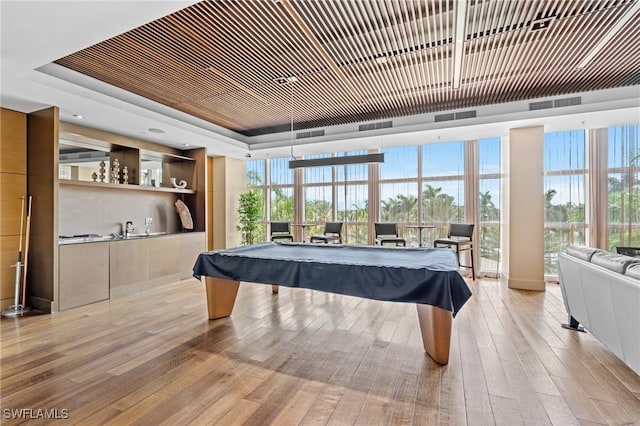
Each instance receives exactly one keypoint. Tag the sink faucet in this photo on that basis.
(128, 228)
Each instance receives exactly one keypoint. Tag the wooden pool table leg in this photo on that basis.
(221, 296)
(275, 289)
(435, 325)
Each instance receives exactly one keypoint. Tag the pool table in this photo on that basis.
(428, 277)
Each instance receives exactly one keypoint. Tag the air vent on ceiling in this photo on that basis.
(556, 103)
(465, 114)
(456, 115)
(567, 102)
(309, 134)
(533, 106)
(445, 117)
(375, 126)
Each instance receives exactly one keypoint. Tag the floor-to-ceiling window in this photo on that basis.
(565, 177)
(280, 190)
(442, 183)
(623, 177)
(318, 196)
(352, 194)
(399, 188)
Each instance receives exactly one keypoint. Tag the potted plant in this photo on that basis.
(249, 212)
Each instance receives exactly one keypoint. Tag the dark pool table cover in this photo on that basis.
(416, 275)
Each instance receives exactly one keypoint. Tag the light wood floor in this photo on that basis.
(306, 357)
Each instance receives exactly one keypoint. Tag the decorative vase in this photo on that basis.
(115, 171)
(181, 185)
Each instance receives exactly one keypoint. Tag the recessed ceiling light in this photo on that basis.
(155, 130)
(78, 116)
(382, 60)
(186, 144)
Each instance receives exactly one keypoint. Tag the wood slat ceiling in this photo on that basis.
(220, 60)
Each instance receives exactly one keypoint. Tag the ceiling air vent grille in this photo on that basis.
(557, 103)
(456, 115)
(533, 106)
(465, 114)
(445, 117)
(375, 126)
(309, 134)
(567, 102)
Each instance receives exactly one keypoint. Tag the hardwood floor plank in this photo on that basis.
(613, 413)
(452, 393)
(506, 411)
(558, 410)
(240, 414)
(227, 401)
(297, 407)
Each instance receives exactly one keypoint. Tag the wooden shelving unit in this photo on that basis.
(81, 205)
(98, 185)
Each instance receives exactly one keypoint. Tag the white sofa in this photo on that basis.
(601, 291)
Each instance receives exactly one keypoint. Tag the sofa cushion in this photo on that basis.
(582, 252)
(633, 271)
(612, 261)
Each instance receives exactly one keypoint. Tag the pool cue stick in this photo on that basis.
(16, 301)
(26, 254)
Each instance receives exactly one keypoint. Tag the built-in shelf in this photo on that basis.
(123, 186)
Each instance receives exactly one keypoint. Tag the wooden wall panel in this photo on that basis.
(197, 202)
(8, 257)
(42, 181)
(13, 149)
(13, 186)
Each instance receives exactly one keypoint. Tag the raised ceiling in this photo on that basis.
(355, 61)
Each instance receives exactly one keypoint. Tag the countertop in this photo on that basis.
(96, 238)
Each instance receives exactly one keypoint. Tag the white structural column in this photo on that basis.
(523, 220)
(598, 189)
(229, 181)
